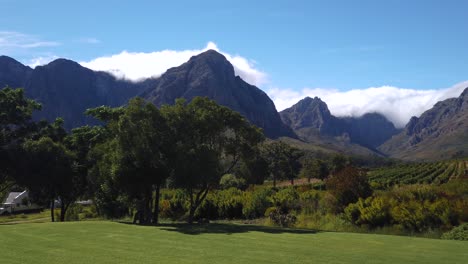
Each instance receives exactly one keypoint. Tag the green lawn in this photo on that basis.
(43, 216)
(110, 242)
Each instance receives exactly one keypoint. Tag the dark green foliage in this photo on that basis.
(138, 152)
(314, 168)
(15, 125)
(48, 172)
(210, 140)
(338, 163)
(283, 161)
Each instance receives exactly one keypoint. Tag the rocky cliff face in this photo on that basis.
(13, 73)
(440, 132)
(66, 89)
(210, 74)
(311, 116)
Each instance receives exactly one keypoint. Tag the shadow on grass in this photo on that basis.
(222, 228)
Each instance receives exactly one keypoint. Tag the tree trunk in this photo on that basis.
(156, 205)
(308, 179)
(292, 181)
(52, 207)
(63, 211)
(191, 214)
(274, 181)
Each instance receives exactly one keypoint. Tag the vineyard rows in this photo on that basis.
(434, 173)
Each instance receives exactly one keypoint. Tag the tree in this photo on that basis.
(314, 168)
(140, 153)
(210, 140)
(283, 161)
(338, 163)
(348, 185)
(15, 124)
(48, 173)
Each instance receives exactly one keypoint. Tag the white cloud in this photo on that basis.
(41, 60)
(397, 104)
(139, 65)
(14, 40)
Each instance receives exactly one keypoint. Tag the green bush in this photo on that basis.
(174, 205)
(73, 212)
(309, 201)
(457, 233)
(282, 219)
(231, 181)
(256, 202)
(286, 200)
(414, 208)
(230, 203)
(373, 212)
(208, 209)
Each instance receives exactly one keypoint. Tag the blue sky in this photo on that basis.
(336, 45)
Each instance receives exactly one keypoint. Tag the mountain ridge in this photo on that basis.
(210, 74)
(311, 117)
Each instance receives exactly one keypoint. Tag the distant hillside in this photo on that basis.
(439, 133)
(66, 89)
(210, 74)
(13, 73)
(312, 122)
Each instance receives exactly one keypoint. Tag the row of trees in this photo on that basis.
(138, 150)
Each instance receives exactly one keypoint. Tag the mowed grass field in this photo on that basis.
(111, 242)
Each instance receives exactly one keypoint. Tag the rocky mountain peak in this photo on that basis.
(308, 112)
(12, 72)
(211, 75)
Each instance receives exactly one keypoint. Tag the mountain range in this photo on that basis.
(66, 89)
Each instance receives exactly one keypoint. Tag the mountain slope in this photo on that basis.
(210, 74)
(66, 89)
(13, 73)
(439, 133)
(313, 122)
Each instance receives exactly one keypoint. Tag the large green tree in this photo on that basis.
(283, 161)
(210, 140)
(15, 124)
(141, 147)
(48, 173)
(314, 168)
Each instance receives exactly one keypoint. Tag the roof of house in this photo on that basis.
(11, 197)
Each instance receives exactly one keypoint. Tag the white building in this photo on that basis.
(17, 202)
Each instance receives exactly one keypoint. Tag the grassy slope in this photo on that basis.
(107, 242)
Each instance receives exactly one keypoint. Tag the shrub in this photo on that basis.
(282, 219)
(174, 206)
(230, 203)
(231, 181)
(457, 233)
(256, 202)
(310, 201)
(348, 185)
(73, 212)
(208, 208)
(286, 200)
(373, 211)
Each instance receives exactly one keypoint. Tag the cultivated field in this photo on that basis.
(436, 173)
(110, 242)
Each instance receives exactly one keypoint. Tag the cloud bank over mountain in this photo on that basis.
(139, 65)
(397, 104)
